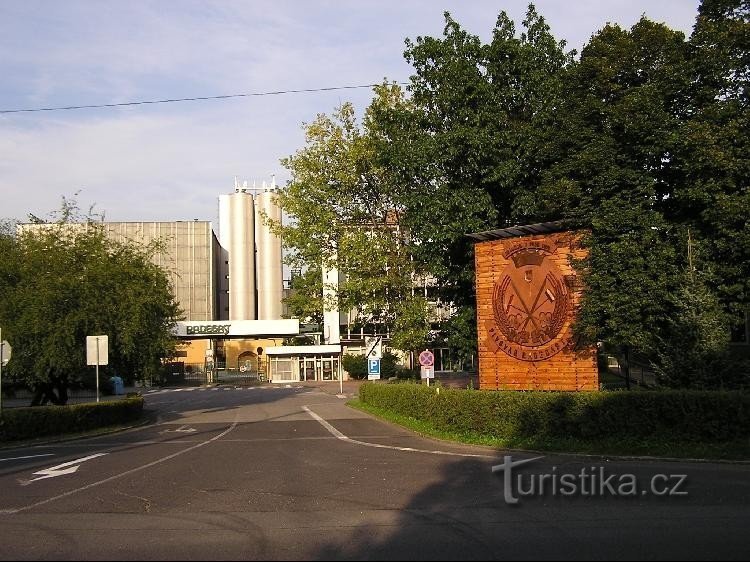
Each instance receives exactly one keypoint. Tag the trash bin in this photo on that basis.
(119, 386)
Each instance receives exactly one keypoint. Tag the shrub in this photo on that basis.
(28, 423)
(711, 416)
(355, 365)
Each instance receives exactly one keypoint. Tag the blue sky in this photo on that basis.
(171, 161)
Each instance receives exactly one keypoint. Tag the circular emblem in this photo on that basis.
(530, 304)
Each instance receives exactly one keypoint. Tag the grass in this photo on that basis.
(732, 450)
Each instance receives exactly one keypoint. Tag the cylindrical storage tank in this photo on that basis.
(241, 250)
(223, 257)
(269, 266)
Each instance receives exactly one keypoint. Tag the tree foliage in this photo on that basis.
(641, 142)
(649, 146)
(63, 281)
(345, 214)
(466, 143)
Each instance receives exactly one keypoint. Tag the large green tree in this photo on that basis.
(608, 155)
(466, 144)
(63, 281)
(648, 154)
(345, 214)
(711, 160)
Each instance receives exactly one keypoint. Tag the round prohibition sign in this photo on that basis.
(426, 358)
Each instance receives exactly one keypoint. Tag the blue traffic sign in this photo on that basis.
(373, 366)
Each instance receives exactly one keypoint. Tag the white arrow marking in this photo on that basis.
(61, 469)
(180, 429)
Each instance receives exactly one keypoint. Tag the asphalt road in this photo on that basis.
(293, 473)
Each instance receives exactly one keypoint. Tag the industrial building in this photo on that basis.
(246, 335)
(230, 287)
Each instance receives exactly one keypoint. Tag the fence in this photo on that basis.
(197, 374)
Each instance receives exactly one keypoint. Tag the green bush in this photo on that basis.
(40, 421)
(356, 366)
(707, 416)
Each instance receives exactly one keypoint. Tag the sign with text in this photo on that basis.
(97, 350)
(427, 372)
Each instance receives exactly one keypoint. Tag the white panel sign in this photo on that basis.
(229, 328)
(5, 351)
(97, 350)
(374, 347)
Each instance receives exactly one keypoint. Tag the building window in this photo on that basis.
(281, 369)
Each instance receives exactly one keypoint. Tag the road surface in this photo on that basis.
(290, 472)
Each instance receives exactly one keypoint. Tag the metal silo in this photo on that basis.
(237, 237)
(223, 257)
(269, 267)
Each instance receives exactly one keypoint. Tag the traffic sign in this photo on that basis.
(5, 351)
(427, 372)
(426, 358)
(97, 348)
(373, 369)
(374, 347)
(373, 366)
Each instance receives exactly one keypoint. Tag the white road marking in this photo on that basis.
(14, 510)
(61, 469)
(181, 429)
(28, 457)
(340, 436)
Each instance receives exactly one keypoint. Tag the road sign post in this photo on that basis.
(5, 350)
(97, 353)
(374, 347)
(427, 360)
(427, 373)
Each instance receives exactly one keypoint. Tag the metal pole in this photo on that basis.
(97, 368)
(341, 377)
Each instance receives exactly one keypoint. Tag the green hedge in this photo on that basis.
(701, 416)
(39, 421)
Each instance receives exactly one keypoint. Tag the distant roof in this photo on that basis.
(516, 231)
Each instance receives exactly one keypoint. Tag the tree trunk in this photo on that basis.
(627, 367)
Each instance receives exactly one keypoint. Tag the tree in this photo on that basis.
(648, 148)
(305, 300)
(345, 215)
(712, 158)
(464, 149)
(609, 172)
(693, 352)
(63, 281)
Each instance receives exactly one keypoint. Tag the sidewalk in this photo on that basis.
(75, 397)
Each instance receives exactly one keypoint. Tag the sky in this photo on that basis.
(165, 162)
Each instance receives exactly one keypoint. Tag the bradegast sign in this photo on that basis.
(208, 330)
(229, 328)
